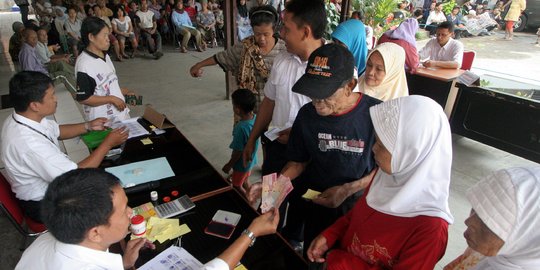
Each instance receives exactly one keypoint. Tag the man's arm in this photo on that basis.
(264, 117)
(95, 101)
(442, 64)
(293, 169)
(116, 137)
(196, 69)
(73, 130)
(334, 196)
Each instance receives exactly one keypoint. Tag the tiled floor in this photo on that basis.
(198, 108)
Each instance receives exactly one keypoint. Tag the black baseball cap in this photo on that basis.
(328, 68)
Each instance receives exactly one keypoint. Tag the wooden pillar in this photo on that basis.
(229, 11)
(345, 8)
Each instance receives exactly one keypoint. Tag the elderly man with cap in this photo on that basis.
(329, 147)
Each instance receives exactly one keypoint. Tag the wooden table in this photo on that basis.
(436, 83)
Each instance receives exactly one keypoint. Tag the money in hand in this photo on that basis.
(274, 191)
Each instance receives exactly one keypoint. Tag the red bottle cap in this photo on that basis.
(174, 193)
(137, 219)
(166, 199)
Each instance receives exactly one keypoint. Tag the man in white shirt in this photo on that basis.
(435, 18)
(30, 149)
(442, 51)
(280, 105)
(303, 28)
(148, 27)
(78, 239)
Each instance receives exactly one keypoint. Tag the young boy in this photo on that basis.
(243, 104)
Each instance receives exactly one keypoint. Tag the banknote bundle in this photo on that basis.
(274, 191)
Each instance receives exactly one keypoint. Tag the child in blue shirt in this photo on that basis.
(243, 104)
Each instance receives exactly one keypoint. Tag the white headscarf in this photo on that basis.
(508, 202)
(394, 84)
(416, 132)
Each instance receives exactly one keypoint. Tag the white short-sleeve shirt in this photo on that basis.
(47, 253)
(286, 70)
(147, 18)
(451, 51)
(31, 155)
(103, 74)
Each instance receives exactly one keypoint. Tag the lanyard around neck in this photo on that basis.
(35, 130)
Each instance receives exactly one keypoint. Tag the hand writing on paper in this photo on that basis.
(317, 249)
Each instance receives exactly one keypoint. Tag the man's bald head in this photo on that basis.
(30, 37)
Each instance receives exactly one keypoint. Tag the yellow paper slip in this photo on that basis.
(163, 229)
(240, 267)
(146, 141)
(310, 194)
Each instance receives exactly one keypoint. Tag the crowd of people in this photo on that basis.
(475, 18)
(381, 159)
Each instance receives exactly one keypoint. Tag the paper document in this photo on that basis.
(226, 217)
(273, 133)
(310, 194)
(135, 129)
(173, 258)
(136, 173)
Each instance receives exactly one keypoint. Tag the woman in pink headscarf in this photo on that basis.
(404, 36)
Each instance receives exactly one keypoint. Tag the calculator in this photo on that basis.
(175, 207)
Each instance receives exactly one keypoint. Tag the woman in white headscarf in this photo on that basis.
(385, 78)
(402, 220)
(502, 230)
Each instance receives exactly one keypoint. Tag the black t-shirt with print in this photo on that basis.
(337, 148)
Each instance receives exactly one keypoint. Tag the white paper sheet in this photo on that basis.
(173, 258)
(135, 129)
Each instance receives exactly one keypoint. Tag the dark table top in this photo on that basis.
(269, 252)
(194, 175)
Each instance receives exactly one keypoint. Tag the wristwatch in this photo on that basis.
(251, 236)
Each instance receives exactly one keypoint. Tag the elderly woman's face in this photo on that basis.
(382, 156)
(375, 70)
(480, 238)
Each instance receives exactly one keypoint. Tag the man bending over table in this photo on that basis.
(86, 211)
